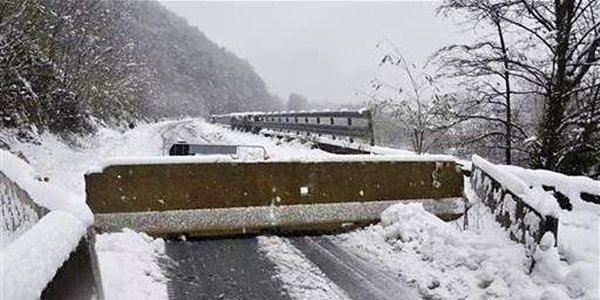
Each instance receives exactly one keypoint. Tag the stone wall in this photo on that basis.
(525, 224)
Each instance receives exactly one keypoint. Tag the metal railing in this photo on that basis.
(345, 123)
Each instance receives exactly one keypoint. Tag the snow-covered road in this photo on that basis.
(272, 267)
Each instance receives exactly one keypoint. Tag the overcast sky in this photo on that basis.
(323, 50)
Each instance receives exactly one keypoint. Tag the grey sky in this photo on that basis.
(323, 50)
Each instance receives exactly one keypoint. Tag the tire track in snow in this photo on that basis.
(180, 131)
(359, 278)
(300, 277)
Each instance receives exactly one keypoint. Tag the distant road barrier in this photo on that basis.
(355, 124)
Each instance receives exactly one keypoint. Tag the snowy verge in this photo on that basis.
(64, 163)
(448, 263)
(31, 261)
(44, 194)
(578, 229)
(129, 266)
(300, 277)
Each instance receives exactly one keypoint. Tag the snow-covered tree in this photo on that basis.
(66, 64)
(550, 54)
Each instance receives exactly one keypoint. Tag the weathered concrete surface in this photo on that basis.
(163, 187)
(161, 199)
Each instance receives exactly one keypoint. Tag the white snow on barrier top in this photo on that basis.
(31, 261)
(535, 197)
(252, 113)
(42, 193)
(228, 159)
(571, 186)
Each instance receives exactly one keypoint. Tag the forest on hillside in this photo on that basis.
(71, 65)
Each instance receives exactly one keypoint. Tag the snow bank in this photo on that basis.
(535, 197)
(447, 263)
(129, 264)
(300, 277)
(31, 261)
(44, 194)
(578, 230)
(64, 164)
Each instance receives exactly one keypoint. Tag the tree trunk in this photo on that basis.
(507, 136)
(555, 103)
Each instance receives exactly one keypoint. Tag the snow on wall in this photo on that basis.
(535, 197)
(527, 213)
(44, 194)
(42, 225)
(18, 212)
(31, 261)
(573, 187)
(218, 158)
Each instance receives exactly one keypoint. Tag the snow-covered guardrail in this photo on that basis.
(526, 212)
(44, 252)
(335, 124)
(19, 213)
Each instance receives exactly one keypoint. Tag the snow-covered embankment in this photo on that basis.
(32, 253)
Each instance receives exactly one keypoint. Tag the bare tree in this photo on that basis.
(488, 62)
(551, 55)
(414, 102)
